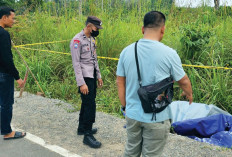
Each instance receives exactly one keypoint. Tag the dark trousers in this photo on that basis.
(6, 102)
(88, 107)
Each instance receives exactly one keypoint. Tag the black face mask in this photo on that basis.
(94, 33)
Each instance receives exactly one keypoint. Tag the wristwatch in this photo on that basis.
(123, 108)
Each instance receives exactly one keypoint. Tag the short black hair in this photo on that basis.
(5, 11)
(154, 19)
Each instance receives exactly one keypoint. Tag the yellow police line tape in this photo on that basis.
(18, 46)
(206, 67)
(185, 65)
(63, 53)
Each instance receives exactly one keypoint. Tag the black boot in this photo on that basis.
(81, 132)
(91, 141)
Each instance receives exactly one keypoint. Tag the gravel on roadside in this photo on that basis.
(49, 119)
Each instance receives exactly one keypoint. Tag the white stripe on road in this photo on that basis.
(53, 148)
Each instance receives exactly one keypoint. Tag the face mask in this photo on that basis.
(94, 33)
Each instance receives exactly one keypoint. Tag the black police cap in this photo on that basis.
(95, 21)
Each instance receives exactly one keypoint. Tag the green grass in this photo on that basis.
(201, 36)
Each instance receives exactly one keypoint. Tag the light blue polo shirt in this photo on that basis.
(156, 62)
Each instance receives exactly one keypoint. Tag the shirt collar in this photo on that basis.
(83, 34)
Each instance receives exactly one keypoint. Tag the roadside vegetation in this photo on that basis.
(201, 36)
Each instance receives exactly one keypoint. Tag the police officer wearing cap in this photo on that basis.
(84, 59)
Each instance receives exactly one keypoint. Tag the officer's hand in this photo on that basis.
(20, 83)
(84, 89)
(189, 97)
(100, 83)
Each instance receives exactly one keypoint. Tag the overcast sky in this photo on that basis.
(195, 3)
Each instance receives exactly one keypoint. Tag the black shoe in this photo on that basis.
(91, 141)
(93, 131)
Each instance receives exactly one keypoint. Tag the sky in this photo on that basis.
(196, 3)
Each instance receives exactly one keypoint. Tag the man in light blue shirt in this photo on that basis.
(156, 62)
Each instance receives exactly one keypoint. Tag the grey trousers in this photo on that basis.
(146, 138)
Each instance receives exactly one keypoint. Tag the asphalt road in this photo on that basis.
(24, 148)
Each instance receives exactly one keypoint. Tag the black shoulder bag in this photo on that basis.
(156, 97)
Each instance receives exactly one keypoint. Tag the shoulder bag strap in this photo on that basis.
(137, 64)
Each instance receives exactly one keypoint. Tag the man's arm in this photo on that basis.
(100, 82)
(96, 65)
(6, 56)
(185, 85)
(121, 83)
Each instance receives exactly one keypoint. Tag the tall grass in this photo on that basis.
(201, 36)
